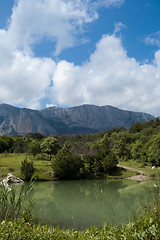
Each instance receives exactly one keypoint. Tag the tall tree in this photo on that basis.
(50, 146)
(66, 164)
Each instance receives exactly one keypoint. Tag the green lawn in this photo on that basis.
(12, 162)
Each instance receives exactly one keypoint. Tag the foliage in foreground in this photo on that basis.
(146, 227)
(15, 202)
(16, 227)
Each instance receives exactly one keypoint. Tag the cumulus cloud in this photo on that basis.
(24, 79)
(109, 77)
(57, 20)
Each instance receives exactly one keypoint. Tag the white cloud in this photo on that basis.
(118, 27)
(153, 39)
(108, 3)
(25, 80)
(109, 77)
(50, 105)
(57, 20)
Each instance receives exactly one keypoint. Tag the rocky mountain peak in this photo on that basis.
(55, 120)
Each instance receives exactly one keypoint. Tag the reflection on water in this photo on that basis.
(89, 202)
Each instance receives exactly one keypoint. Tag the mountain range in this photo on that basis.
(58, 121)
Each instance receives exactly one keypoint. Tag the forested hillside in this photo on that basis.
(90, 155)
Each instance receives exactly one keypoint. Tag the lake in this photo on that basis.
(79, 204)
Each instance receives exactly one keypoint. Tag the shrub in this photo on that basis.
(67, 165)
(27, 169)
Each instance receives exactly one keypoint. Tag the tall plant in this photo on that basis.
(16, 202)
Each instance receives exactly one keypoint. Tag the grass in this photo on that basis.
(131, 163)
(12, 162)
(146, 169)
(121, 173)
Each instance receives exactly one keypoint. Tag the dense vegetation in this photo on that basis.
(87, 156)
(144, 228)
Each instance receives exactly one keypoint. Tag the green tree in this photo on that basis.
(27, 169)
(67, 165)
(154, 150)
(136, 150)
(89, 162)
(109, 162)
(34, 148)
(36, 136)
(20, 144)
(136, 127)
(6, 144)
(97, 166)
(121, 145)
(3, 145)
(50, 146)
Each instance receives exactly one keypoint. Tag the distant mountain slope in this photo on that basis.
(54, 120)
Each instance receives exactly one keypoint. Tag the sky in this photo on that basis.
(71, 52)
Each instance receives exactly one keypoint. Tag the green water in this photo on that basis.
(79, 204)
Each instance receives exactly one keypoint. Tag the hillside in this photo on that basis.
(59, 121)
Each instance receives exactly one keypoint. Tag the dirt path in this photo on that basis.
(131, 169)
(141, 177)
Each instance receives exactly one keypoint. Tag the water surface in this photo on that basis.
(82, 203)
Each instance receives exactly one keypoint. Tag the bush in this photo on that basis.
(27, 169)
(67, 165)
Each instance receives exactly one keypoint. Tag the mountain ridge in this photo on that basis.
(82, 119)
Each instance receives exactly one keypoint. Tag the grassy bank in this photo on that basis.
(147, 170)
(10, 162)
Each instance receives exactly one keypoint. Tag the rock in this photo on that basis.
(58, 121)
(11, 179)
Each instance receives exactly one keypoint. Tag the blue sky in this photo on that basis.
(73, 52)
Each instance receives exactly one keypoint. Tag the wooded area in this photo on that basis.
(89, 155)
